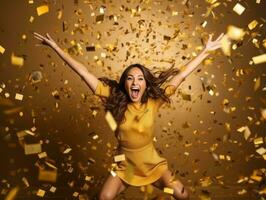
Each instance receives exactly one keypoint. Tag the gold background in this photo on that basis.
(136, 37)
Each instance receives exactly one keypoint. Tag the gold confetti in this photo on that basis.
(19, 97)
(235, 33)
(42, 10)
(31, 19)
(257, 84)
(42, 155)
(168, 190)
(40, 193)
(259, 59)
(12, 193)
(67, 150)
(226, 45)
(32, 148)
(261, 150)
(113, 173)
(246, 131)
(111, 121)
(239, 9)
(252, 24)
(47, 175)
(258, 140)
(52, 189)
(119, 158)
(25, 181)
(2, 49)
(15, 60)
(75, 194)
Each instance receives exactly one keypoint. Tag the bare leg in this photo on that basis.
(111, 188)
(166, 181)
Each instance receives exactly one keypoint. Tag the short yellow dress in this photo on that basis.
(142, 164)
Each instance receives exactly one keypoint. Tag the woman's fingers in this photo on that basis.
(47, 34)
(38, 38)
(220, 36)
(39, 35)
(210, 38)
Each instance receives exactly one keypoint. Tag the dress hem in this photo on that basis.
(144, 181)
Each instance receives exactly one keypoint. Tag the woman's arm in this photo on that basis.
(192, 65)
(78, 67)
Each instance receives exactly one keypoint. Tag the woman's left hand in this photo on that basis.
(213, 45)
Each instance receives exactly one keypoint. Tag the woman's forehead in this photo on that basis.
(134, 71)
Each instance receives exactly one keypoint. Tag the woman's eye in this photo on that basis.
(141, 79)
(129, 78)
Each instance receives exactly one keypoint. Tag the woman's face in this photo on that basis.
(135, 84)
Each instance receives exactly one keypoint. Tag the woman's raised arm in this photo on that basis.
(78, 67)
(192, 65)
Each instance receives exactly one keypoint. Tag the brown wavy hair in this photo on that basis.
(118, 99)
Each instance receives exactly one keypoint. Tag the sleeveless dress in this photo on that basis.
(142, 164)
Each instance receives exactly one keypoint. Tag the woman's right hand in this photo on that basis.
(47, 40)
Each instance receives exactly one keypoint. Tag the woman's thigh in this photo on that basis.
(167, 180)
(112, 187)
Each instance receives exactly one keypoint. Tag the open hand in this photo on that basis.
(47, 40)
(213, 45)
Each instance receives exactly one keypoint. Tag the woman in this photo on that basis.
(133, 103)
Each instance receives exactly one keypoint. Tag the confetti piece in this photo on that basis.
(111, 121)
(2, 49)
(261, 150)
(47, 175)
(257, 84)
(12, 193)
(32, 148)
(99, 19)
(259, 59)
(19, 97)
(168, 190)
(40, 193)
(119, 158)
(226, 45)
(239, 9)
(235, 33)
(29, 132)
(42, 10)
(75, 194)
(256, 177)
(25, 181)
(246, 131)
(252, 24)
(204, 24)
(15, 60)
(52, 189)
(42, 155)
(113, 173)
(67, 150)
(31, 19)
(35, 77)
(258, 140)
(50, 165)
(88, 178)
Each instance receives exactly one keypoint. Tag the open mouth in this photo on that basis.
(134, 93)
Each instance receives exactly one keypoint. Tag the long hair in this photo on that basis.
(117, 102)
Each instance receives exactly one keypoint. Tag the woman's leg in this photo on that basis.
(166, 180)
(111, 188)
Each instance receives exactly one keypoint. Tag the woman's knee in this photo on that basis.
(106, 195)
(181, 193)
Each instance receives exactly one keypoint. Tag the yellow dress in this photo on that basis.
(142, 165)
